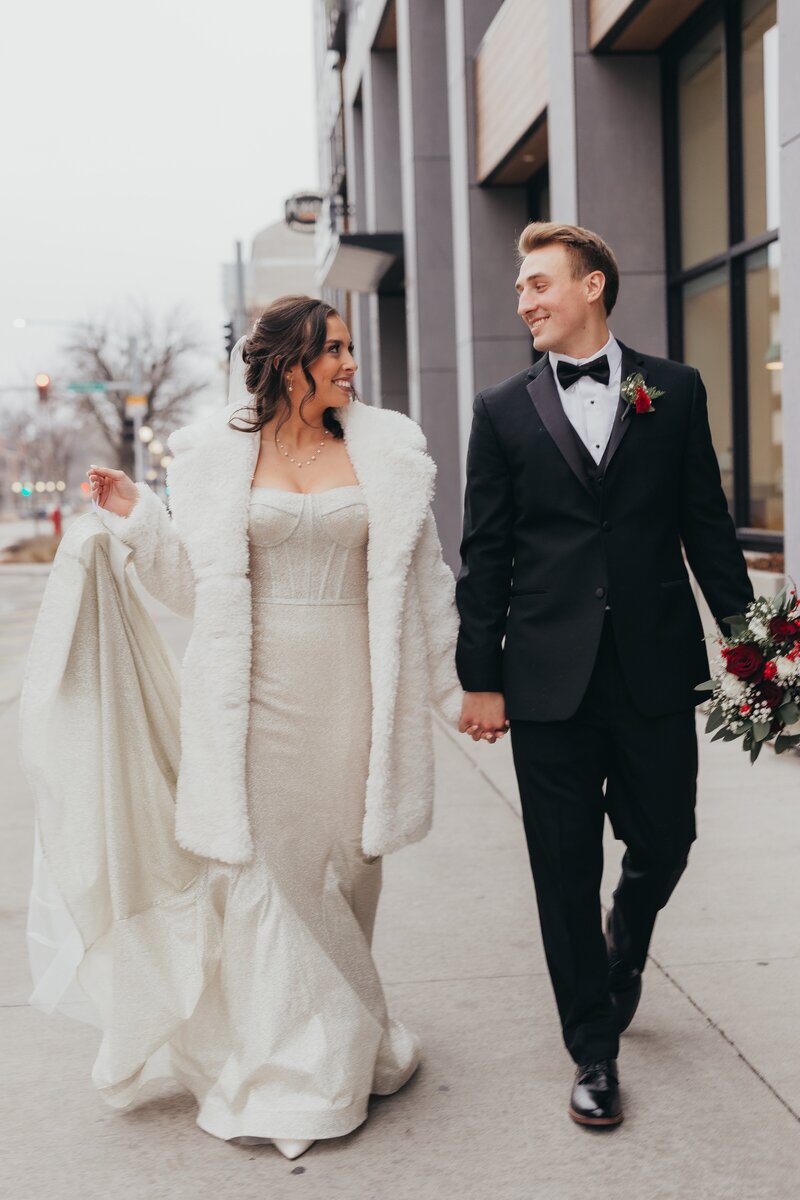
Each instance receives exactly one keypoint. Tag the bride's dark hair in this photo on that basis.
(292, 330)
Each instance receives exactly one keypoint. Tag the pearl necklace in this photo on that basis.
(308, 461)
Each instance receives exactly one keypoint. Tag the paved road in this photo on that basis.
(709, 1068)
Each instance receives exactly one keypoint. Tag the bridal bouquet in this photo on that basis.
(756, 684)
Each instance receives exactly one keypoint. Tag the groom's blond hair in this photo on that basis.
(586, 249)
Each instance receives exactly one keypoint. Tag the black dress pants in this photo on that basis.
(649, 768)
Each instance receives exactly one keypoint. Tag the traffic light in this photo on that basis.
(42, 382)
(230, 339)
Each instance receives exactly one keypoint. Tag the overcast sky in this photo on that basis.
(138, 143)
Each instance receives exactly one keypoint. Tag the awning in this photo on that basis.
(365, 262)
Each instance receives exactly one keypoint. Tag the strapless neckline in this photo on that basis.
(345, 487)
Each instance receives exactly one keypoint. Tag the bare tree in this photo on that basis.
(46, 440)
(167, 351)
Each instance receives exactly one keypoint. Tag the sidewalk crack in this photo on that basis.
(726, 1037)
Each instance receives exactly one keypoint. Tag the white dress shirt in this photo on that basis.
(589, 405)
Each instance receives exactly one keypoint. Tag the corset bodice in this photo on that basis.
(308, 548)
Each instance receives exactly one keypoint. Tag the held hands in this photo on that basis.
(112, 490)
(483, 716)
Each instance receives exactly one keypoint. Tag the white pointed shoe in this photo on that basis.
(290, 1148)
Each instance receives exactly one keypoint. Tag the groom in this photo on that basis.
(587, 476)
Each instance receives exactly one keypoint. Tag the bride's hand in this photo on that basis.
(113, 490)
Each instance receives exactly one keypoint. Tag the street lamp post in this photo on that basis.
(135, 406)
(144, 437)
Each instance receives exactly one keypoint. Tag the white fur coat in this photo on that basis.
(198, 564)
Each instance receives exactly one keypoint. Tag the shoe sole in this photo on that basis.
(598, 1122)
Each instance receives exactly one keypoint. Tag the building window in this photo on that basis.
(721, 144)
(703, 173)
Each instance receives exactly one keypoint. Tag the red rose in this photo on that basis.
(771, 694)
(770, 669)
(745, 710)
(782, 630)
(642, 400)
(744, 661)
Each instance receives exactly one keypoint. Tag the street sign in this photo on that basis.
(134, 407)
(100, 385)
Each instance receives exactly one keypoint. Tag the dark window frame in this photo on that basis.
(536, 188)
(734, 258)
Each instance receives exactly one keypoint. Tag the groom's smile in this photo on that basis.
(535, 324)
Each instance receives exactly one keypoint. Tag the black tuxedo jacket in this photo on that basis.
(551, 540)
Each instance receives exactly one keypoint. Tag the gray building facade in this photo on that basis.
(672, 127)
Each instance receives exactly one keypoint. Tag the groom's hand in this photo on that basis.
(483, 716)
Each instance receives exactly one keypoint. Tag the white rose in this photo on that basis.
(759, 630)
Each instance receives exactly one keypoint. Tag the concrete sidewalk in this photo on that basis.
(710, 1067)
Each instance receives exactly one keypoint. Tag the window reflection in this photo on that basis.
(706, 321)
(760, 116)
(764, 372)
(703, 172)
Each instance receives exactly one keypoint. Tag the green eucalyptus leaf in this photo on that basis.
(707, 686)
(715, 718)
(761, 730)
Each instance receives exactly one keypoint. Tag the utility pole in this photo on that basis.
(240, 312)
(135, 405)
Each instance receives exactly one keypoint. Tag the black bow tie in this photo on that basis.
(568, 373)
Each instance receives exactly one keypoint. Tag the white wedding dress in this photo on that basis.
(254, 986)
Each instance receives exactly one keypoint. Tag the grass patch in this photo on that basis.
(31, 550)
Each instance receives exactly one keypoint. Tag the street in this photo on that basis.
(709, 1068)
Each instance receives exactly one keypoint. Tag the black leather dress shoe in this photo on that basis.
(625, 984)
(595, 1094)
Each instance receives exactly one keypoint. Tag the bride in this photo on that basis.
(218, 881)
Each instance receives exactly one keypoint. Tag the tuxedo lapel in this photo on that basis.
(543, 392)
(632, 364)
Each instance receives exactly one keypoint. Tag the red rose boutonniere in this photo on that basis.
(637, 396)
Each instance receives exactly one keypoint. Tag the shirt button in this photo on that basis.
(606, 525)
(599, 592)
